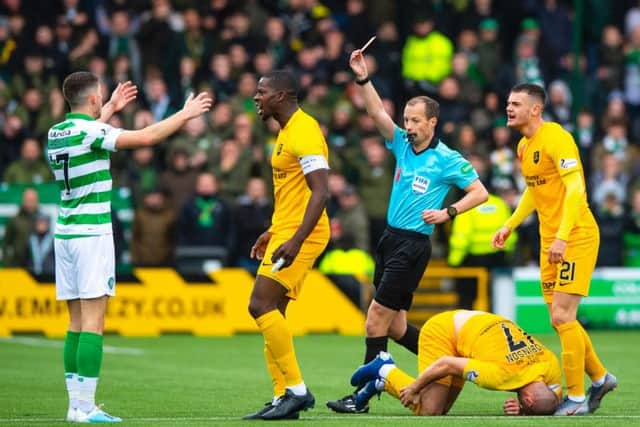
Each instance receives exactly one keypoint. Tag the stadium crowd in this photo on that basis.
(209, 185)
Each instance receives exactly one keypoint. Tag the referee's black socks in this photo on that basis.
(374, 346)
(410, 339)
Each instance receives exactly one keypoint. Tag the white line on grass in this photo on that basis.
(44, 342)
(319, 418)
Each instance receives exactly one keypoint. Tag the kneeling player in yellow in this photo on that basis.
(298, 234)
(484, 348)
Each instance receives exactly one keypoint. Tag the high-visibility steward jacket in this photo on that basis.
(427, 58)
(351, 261)
(473, 231)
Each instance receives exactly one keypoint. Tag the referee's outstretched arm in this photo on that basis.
(372, 100)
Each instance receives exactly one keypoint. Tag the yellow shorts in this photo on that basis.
(292, 276)
(437, 339)
(573, 276)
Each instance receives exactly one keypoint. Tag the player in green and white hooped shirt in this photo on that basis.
(78, 151)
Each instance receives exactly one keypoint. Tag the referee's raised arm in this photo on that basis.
(372, 100)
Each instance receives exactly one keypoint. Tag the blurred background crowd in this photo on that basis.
(208, 188)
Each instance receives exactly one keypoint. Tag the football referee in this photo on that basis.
(425, 171)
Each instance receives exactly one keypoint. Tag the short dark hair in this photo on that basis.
(76, 85)
(431, 106)
(283, 80)
(531, 89)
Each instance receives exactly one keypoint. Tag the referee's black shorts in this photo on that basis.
(401, 258)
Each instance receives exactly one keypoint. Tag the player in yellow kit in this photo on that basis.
(298, 234)
(484, 348)
(569, 238)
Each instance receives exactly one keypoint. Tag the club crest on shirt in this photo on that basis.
(420, 184)
(279, 149)
(536, 156)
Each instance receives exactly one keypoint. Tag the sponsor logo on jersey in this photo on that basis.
(534, 180)
(59, 133)
(472, 376)
(568, 163)
(466, 168)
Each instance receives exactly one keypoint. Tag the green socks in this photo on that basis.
(89, 355)
(70, 352)
(70, 359)
(89, 359)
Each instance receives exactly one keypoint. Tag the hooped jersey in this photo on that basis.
(78, 150)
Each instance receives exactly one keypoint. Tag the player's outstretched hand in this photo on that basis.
(511, 406)
(357, 64)
(122, 95)
(287, 251)
(260, 246)
(194, 107)
(500, 237)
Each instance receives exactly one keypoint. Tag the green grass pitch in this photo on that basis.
(188, 381)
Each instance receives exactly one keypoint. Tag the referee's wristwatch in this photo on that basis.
(452, 211)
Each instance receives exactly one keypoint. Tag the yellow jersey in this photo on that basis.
(300, 138)
(503, 356)
(545, 158)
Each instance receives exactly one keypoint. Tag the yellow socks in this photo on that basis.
(592, 364)
(278, 340)
(573, 357)
(395, 381)
(276, 375)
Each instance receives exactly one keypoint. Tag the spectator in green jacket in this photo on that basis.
(15, 245)
(352, 216)
(375, 176)
(30, 168)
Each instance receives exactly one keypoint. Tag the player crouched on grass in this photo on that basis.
(484, 348)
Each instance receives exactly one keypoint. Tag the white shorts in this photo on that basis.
(85, 267)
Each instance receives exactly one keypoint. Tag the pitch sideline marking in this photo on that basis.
(44, 342)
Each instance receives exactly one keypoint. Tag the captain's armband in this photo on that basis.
(313, 162)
